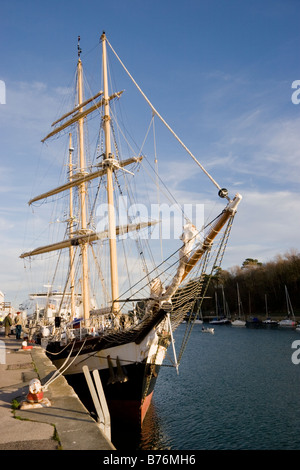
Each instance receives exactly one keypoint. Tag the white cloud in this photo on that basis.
(266, 224)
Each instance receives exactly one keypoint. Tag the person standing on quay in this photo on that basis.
(7, 324)
(18, 323)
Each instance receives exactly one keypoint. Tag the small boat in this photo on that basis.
(208, 330)
(269, 322)
(238, 322)
(289, 321)
(220, 321)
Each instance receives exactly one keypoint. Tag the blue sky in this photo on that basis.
(219, 72)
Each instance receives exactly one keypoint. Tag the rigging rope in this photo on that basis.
(217, 262)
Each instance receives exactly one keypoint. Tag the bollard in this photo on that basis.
(35, 394)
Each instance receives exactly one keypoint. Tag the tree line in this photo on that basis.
(261, 287)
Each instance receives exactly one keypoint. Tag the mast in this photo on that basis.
(224, 301)
(238, 299)
(82, 196)
(288, 304)
(109, 163)
(71, 248)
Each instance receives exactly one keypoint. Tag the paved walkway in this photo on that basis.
(15, 375)
(35, 429)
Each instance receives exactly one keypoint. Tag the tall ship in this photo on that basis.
(122, 301)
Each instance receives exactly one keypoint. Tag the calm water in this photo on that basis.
(236, 389)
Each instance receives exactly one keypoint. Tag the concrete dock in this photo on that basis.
(65, 425)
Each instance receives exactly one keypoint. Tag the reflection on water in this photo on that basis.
(150, 437)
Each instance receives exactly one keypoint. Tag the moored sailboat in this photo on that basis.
(126, 337)
(289, 321)
(239, 320)
(268, 320)
(220, 319)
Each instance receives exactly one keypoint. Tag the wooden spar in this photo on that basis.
(229, 210)
(76, 181)
(81, 115)
(87, 238)
(71, 248)
(110, 194)
(82, 198)
(77, 108)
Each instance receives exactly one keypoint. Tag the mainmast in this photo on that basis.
(82, 195)
(108, 161)
(71, 248)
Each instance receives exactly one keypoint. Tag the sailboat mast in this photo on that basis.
(110, 194)
(238, 299)
(266, 305)
(71, 249)
(82, 198)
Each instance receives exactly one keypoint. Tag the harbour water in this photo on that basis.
(236, 389)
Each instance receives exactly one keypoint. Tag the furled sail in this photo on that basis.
(86, 238)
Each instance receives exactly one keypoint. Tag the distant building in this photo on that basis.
(5, 307)
(2, 312)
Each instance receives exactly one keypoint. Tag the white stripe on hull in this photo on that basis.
(129, 353)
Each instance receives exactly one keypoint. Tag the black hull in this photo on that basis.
(128, 401)
(253, 323)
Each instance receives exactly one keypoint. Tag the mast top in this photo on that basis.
(103, 36)
(78, 47)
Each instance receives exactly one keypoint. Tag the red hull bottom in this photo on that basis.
(145, 406)
(130, 411)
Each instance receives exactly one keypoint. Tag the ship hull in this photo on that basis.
(128, 369)
(128, 402)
